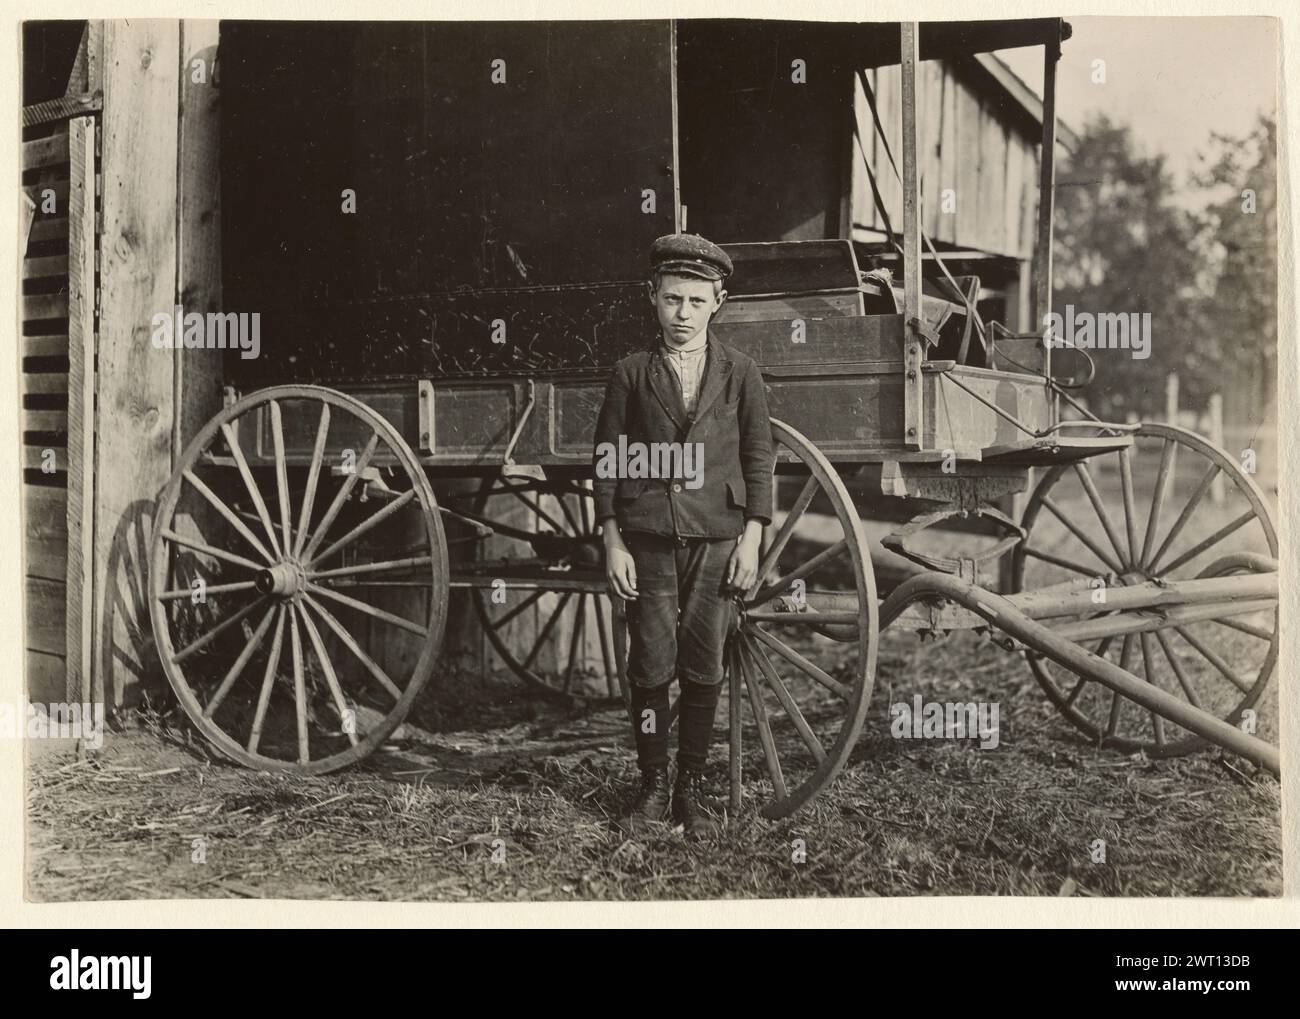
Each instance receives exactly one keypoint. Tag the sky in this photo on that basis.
(1174, 80)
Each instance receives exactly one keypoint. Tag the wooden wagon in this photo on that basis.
(419, 418)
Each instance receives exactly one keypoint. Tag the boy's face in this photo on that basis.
(685, 304)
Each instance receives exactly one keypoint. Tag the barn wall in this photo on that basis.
(972, 141)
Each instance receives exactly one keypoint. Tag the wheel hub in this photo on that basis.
(286, 580)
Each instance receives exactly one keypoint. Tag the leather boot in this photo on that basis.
(692, 807)
(651, 801)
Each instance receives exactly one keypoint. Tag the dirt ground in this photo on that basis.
(515, 803)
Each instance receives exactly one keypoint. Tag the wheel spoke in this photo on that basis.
(1057, 561)
(1207, 544)
(242, 585)
(1126, 663)
(1099, 507)
(783, 535)
(575, 641)
(783, 695)
(800, 662)
(611, 669)
(208, 550)
(826, 555)
(764, 729)
(369, 610)
(1202, 487)
(233, 673)
(1183, 681)
(1148, 666)
(1130, 508)
(232, 440)
(1167, 459)
(1079, 533)
(1250, 628)
(313, 478)
(350, 643)
(371, 521)
(1214, 659)
(735, 742)
(536, 507)
(299, 686)
(281, 473)
(379, 567)
(521, 607)
(219, 505)
(331, 678)
(345, 489)
(268, 680)
(216, 631)
(546, 630)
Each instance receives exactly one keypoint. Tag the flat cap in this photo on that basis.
(689, 255)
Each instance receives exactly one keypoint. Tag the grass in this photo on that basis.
(422, 819)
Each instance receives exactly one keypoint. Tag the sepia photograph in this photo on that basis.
(650, 460)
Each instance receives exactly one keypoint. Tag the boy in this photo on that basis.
(677, 552)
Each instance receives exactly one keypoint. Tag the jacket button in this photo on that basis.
(677, 488)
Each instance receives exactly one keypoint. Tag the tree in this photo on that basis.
(1123, 245)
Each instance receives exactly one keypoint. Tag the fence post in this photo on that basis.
(1216, 437)
(1171, 399)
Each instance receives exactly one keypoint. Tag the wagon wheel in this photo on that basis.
(1220, 664)
(545, 607)
(266, 606)
(802, 656)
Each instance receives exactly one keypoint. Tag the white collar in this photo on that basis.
(699, 348)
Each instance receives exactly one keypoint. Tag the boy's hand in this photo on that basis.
(742, 569)
(620, 569)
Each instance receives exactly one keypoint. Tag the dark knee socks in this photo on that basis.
(650, 725)
(698, 704)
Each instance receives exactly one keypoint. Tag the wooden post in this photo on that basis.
(913, 350)
(1171, 399)
(1216, 436)
(137, 280)
(197, 382)
(1046, 207)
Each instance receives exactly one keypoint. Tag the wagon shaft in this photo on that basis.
(1012, 616)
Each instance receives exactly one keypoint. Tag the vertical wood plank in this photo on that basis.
(1046, 188)
(138, 279)
(197, 395)
(80, 513)
(949, 156)
(912, 353)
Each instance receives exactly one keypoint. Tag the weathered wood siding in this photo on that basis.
(970, 142)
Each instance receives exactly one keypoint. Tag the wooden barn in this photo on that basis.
(204, 165)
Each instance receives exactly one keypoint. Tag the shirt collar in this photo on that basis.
(699, 347)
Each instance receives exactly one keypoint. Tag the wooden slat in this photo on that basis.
(913, 350)
(81, 404)
(34, 459)
(46, 616)
(46, 678)
(62, 108)
(49, 151)
(45, 531)
(40, 194)
(45, 421)
(44, 268)
(42, 306)
(45, 384)
(45, 346)
(49, 228)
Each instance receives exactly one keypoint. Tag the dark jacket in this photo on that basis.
(643, 404)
